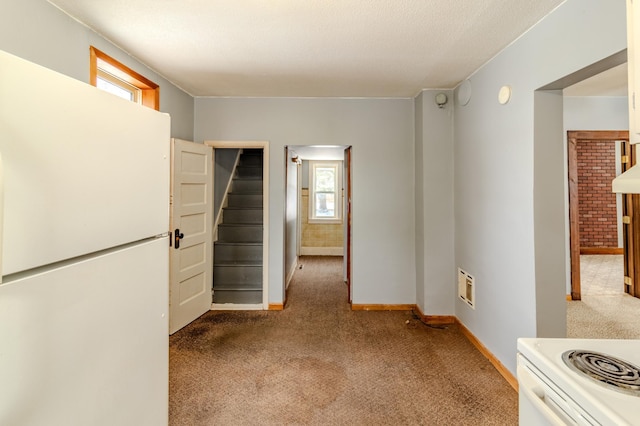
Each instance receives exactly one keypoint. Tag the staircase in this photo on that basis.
(237, 261)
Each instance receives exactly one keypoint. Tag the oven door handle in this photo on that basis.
(534, 391)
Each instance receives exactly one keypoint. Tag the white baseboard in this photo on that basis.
(321, 251)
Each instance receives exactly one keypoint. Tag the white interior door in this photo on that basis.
(191, 259)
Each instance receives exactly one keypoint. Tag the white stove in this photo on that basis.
(597, 382)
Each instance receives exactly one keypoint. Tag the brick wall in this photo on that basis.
(598, 215)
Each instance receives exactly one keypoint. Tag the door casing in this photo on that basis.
(264, 145)
(574, 228)
(347, 176)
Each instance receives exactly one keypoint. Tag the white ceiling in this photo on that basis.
(311, 48)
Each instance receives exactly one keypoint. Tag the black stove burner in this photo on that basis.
(605, 369)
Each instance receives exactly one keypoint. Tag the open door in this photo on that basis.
(191, 256)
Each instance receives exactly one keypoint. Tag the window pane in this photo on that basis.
(325, 195)
(325, 179)
(108, 86)
(325, 204)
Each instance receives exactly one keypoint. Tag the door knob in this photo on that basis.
(177, 237)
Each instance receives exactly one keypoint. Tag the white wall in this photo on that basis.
(595, 113)
(434, 240)
(550, 218)
(39, 32)
(381, 132)
(494, 172)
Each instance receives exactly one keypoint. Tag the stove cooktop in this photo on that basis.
(606, 404)
(607, 370)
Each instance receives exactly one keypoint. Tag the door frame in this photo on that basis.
(348, 252)
(347, 220)
(631, 238)
(264, 145)
(574, 215)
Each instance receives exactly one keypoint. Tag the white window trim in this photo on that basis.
(338, 191)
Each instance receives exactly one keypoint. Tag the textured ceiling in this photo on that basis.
(314, 48)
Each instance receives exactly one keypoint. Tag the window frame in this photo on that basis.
(312, 218)
(136, 93)
(101, 63)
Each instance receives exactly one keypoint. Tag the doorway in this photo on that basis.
(241, 227)
(550, 185)
(593, 212)
(327, 233)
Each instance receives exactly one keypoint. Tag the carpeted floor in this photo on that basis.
(318, 362)
(605, 311)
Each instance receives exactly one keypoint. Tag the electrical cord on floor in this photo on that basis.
(419, 318)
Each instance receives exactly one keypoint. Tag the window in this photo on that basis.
(114, 85)
(111, 76)
(325, 195)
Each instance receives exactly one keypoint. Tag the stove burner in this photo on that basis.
(605, 369)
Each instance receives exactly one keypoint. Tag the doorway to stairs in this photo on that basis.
(241, 225)
(318, 207)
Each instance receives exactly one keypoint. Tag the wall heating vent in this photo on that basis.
(466, 288)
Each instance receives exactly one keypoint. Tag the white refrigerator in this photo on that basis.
(84, 255)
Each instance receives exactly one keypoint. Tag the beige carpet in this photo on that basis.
(605, 311)
(318, 362)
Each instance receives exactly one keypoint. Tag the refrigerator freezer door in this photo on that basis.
(86, 343)
(83, 170)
